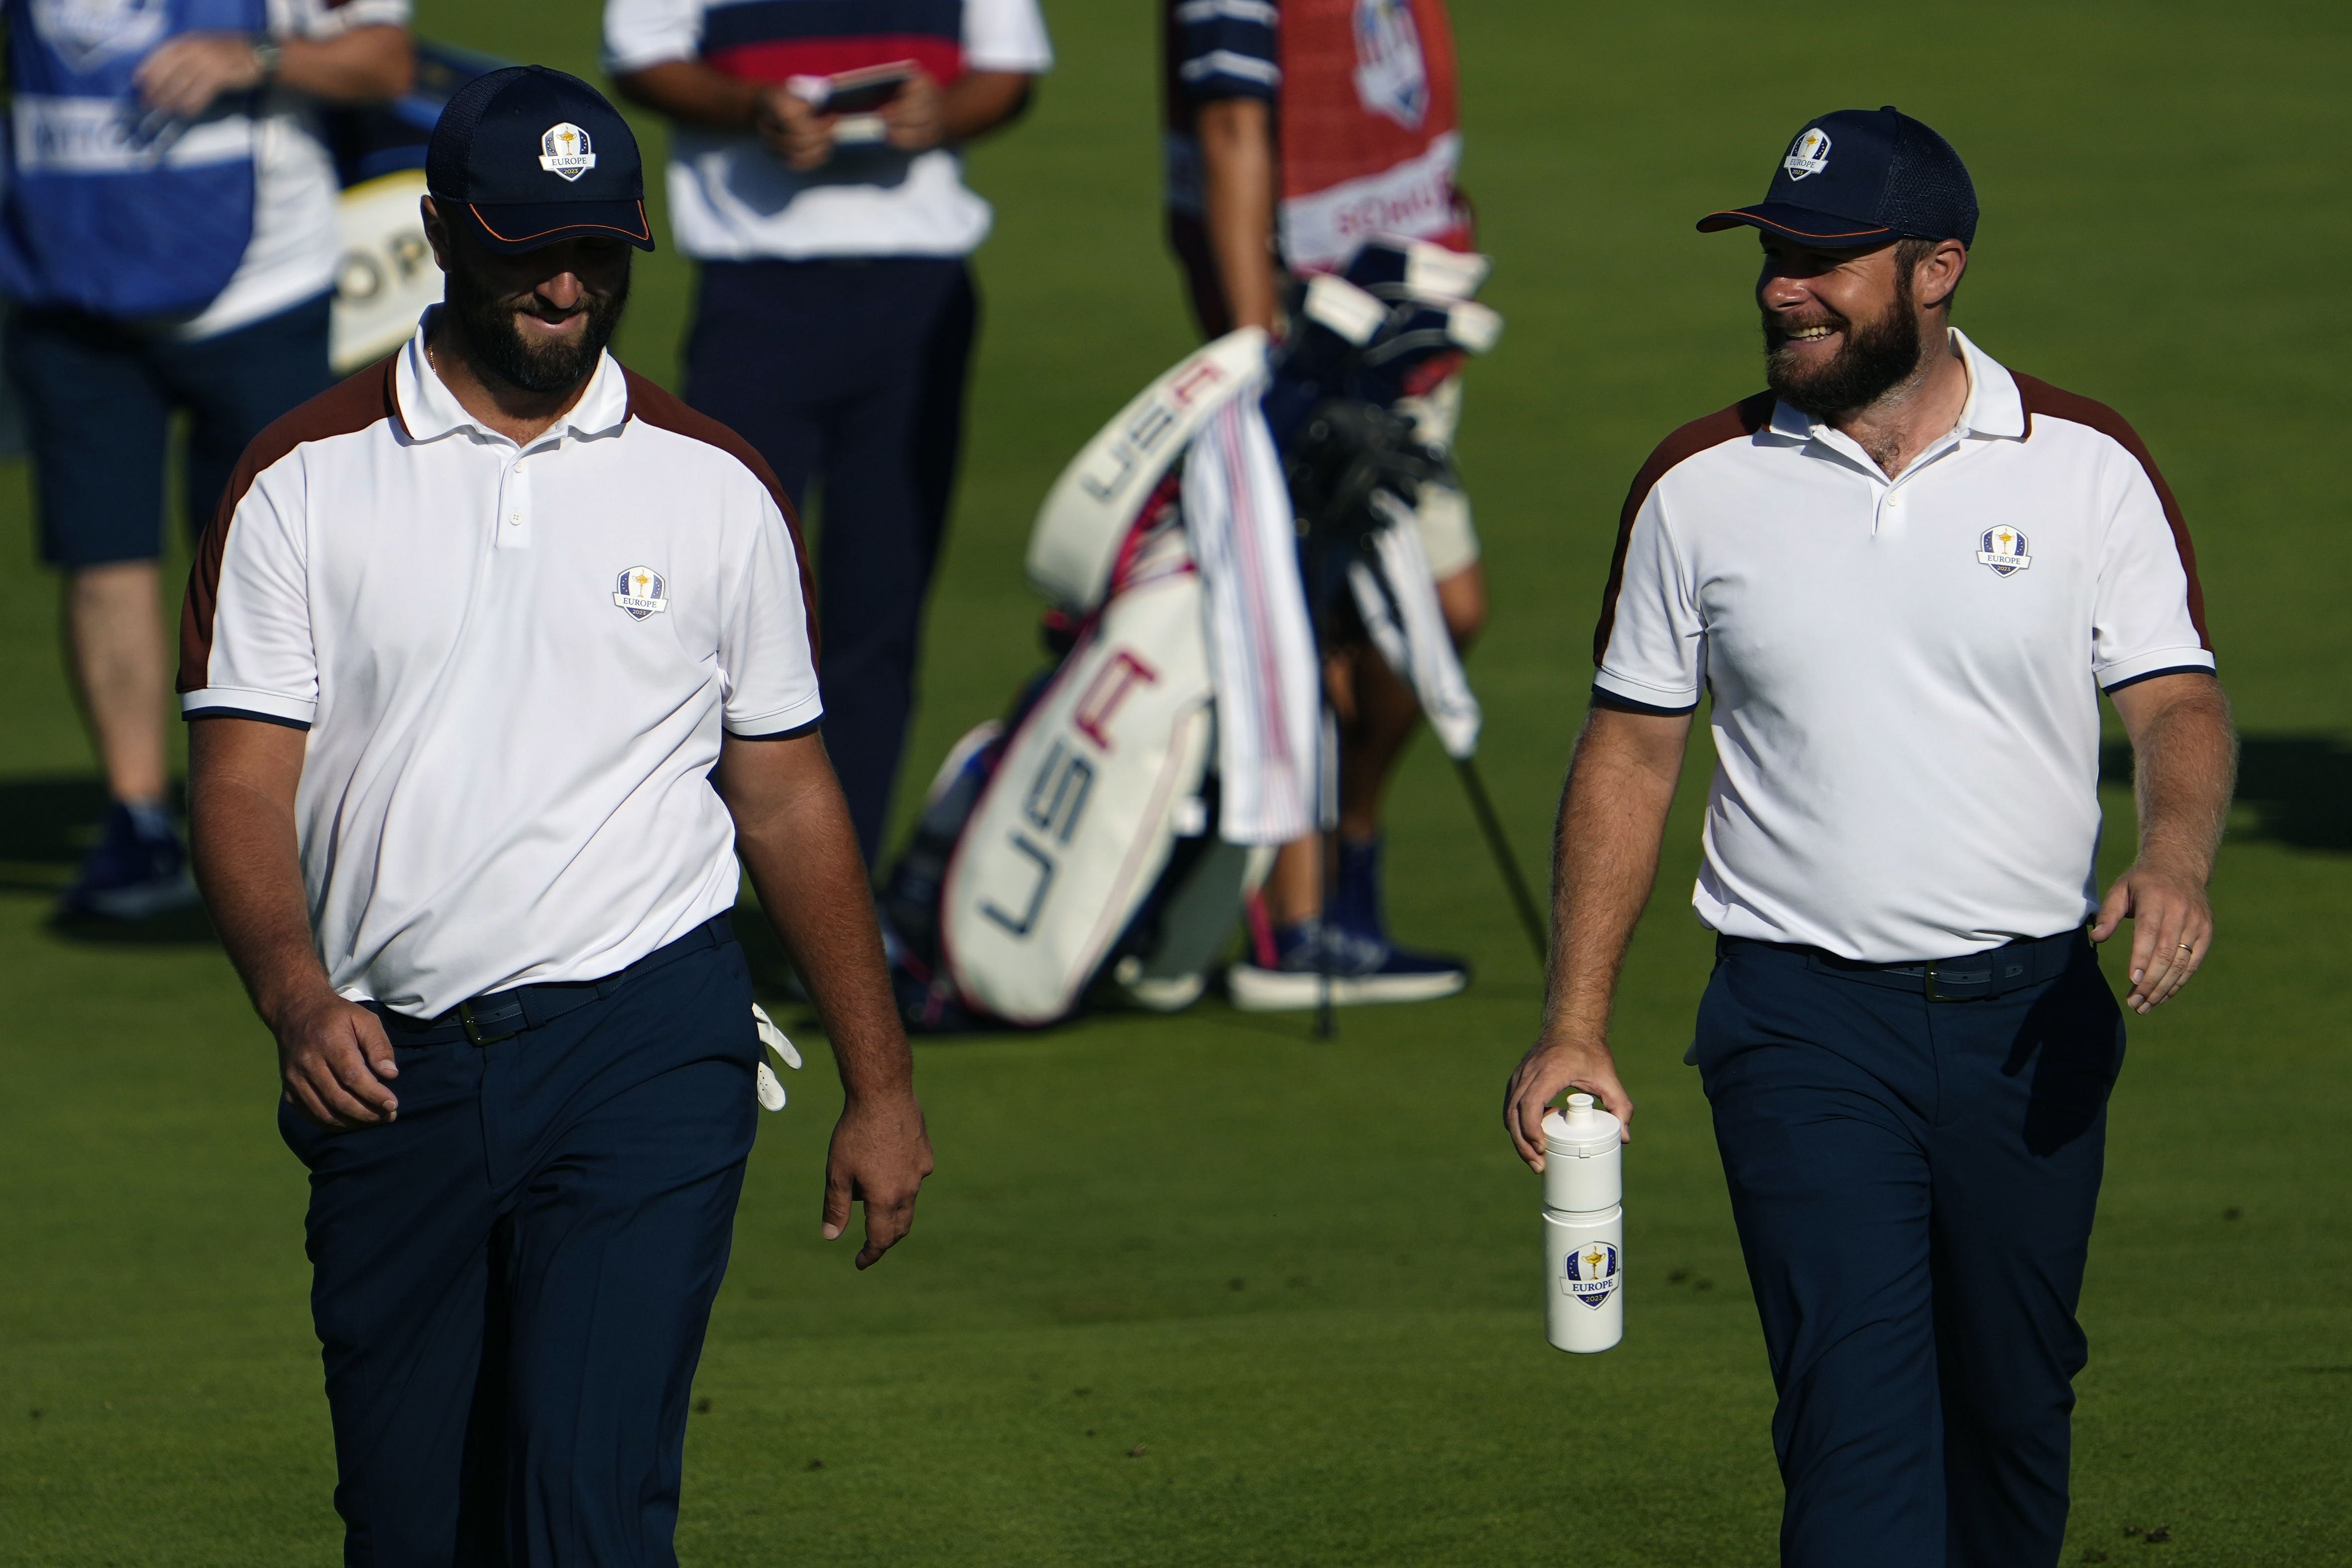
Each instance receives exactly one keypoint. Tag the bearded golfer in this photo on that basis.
(1904, 575)
(497, 656)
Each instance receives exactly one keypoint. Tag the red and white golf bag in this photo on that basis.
(1104, 833)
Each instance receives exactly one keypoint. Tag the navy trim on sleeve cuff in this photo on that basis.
(1603, 698)
(811, 727)
(2152, 674)
(196, 712)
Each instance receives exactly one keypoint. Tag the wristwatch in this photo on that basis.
(268, 53)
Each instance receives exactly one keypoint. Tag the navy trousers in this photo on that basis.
(849, 372)
(511, 1280)
(1914, 1184)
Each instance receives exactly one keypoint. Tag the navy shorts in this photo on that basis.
(99, 398)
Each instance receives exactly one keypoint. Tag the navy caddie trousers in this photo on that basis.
(1914, 1184)
(511, 1280)
(848, 374)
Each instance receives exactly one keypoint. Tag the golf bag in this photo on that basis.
(1102, 835)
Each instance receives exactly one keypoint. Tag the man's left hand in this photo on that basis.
(182, 78)
(2172, 929)
(881, 1153)
(915, 121)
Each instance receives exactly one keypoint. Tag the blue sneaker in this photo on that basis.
(1361, 971)
(139, 869)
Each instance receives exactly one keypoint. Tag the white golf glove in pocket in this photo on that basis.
(771, 1087)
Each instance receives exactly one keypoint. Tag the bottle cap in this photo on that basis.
(1581, 1131)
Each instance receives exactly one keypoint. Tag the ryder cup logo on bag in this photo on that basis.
(1391, 77)
(564, 151)
(2004, 550)
(1590, 1274)
(1810, 154)
(88, 32)
(639, 591)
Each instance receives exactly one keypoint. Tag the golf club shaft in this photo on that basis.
(1507, 864)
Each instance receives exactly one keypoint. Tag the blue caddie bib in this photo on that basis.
(109, 209)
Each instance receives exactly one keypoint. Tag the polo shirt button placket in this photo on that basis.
(514, 507)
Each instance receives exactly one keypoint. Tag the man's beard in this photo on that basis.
(1875, 361)
(486, 320)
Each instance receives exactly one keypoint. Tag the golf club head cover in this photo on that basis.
(1330, 321)
(1392, 269)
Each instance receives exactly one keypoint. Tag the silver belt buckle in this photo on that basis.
(474, 1031)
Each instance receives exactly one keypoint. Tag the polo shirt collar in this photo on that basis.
(429, 410)
(1994, 407)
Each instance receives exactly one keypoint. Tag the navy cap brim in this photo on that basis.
(526, 225)
(1793, 221)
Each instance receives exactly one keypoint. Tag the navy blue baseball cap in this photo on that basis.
(527, 156)
(1859, 177)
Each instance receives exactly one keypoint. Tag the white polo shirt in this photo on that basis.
(731, 199)
(296, 246)
(514, 664)
(1905, 674)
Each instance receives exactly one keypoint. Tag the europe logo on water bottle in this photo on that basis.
(1590, 1274)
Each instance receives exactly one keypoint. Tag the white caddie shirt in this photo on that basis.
(1906, 673)
(514, 664)
(296, 246)
(731, 199)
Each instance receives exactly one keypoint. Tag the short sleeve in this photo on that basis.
(764, 652)
(642, 33)
(245, 645)
(1006, 36)
(1654, 659)
(2142, 624)
(1225, 48)
(320, 19)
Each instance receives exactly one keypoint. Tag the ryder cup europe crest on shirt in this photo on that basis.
(564, 151)
(1809, 155)
(2003, 549)
(1590, 1274)
(1391, 78)
(638, 591)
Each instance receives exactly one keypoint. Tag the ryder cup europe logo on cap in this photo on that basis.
(1809, 155)
(2004, 550)
(564, 151)
(638, 591)
(1590, 1274)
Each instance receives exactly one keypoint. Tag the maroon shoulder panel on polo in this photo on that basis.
(1744, 418)
(2041, 397)
(663, 411)
(344, 408)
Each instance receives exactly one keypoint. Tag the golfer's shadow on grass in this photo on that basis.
(2299, 787)
(47, 824)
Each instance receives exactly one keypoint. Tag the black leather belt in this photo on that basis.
(502, 1015)
(1996, 972)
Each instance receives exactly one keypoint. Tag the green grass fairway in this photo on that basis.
(1201, 1289)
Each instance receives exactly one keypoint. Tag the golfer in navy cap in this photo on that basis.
(1905, 574)
(497, 658)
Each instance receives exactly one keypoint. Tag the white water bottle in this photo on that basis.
(1584, 1228)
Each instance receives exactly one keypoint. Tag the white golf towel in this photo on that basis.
(1408, 625)
(1261, 648)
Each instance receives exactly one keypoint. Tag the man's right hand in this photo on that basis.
(336, 1061)
(795, 132)
(1552, 1066)
(881, 1153)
